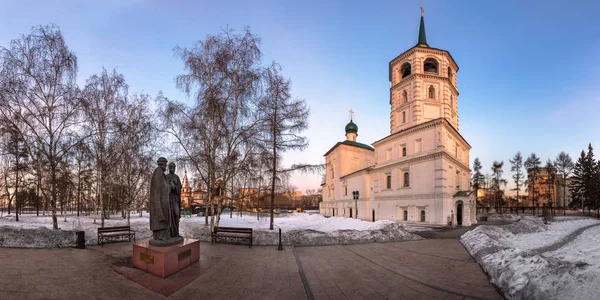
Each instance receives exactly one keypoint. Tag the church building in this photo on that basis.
(420, 172)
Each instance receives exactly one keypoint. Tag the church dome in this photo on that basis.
(351, 127)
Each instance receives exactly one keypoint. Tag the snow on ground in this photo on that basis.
(297, 228)
(298, 221)
(513, 255)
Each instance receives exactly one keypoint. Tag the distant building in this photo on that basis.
(544, 187)
(418, 173)
(191, 197)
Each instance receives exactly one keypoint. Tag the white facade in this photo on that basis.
(420, 172)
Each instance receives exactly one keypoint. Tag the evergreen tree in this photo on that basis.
(577, 187)
(477, 178)
(532, 164)
(592, 190)
(564, 166)
(497, 183)
(517, 167)
(585, 187)
(550, 182)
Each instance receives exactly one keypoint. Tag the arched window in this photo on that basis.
(403, 151)
(388, 181)
(405, 70)
(451, 101)
(403, 117)
(405, 96)
(405, 215)
(431, 94)
(422, 216)
(430, 66)
(450, 74)
(406, 179)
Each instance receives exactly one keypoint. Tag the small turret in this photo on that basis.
(351, 129)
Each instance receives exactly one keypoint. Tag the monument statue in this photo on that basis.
(161, 213)
(174, 199)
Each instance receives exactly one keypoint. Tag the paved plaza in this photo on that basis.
(427, 269)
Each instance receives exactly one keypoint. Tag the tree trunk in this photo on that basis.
(53, 195)
(274, 171)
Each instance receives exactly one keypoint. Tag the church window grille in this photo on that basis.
(405, 96)
(403, 151)
(457, 179)
(430, 66)
(431, 93)
(388, 181)
(405, 215)
(405, 70)
(422, 215)
(403, 117)
(406, 179)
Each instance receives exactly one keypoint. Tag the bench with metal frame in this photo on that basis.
(232, 233)
(106, 234)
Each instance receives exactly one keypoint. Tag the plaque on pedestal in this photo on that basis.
(165, 261)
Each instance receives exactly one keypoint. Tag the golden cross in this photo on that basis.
(422, 11)
(351, 113)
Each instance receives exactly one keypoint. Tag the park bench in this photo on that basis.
(232, 233)
(119, 233)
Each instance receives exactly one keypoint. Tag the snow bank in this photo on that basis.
(507, 253)
(504, 217)
(297, 228)
(36, 238)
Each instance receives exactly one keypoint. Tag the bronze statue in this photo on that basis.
(161, 214)
(174, 199)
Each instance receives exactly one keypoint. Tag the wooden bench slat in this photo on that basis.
(232, 232)
(109, 233)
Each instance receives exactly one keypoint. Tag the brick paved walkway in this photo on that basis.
(429, 269)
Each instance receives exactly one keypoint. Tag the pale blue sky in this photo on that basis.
(527, 78)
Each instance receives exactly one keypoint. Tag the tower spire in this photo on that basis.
(422, 36)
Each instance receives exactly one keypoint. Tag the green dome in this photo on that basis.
(351, 127)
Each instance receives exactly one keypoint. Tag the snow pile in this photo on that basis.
(508, 254)
(392, 232)
(297, 221)
(304, 229)
(36, 238)
(504, 217)
(42, 225)
(297, 228)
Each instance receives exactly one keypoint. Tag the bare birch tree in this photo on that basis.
(103, 92)
(283, 119)
(37, 83)
(214, 134)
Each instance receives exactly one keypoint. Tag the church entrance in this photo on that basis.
(459, 212)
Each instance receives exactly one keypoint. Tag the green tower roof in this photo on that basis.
(351, 127)
(422, 36)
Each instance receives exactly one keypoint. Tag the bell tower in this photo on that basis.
(423, 85)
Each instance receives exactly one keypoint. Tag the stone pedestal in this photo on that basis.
(165, 261)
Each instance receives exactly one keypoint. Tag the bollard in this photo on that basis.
(80, 239)
(280, 247)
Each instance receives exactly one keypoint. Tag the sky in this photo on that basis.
(528, 78)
